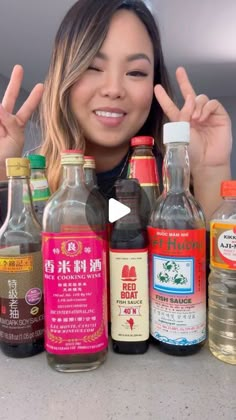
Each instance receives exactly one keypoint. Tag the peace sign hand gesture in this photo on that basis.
(210, 143)
(211, 137)
(12, 126)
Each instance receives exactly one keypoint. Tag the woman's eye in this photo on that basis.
(137, 73)
(94, 68)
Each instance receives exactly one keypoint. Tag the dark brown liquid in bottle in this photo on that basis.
(131, 238)
(36, 345)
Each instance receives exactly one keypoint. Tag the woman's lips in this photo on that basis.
(110, 118)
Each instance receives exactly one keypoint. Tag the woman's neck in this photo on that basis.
(106, 158)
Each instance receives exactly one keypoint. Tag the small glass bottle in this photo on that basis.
(143, 166)
(39, 184)
(177, 254)
(91, 183)
(74, 255)
(222, 278)
(129, 275)
(22, 317)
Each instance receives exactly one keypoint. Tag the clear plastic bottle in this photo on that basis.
(39, 184)
(22, 317)
(129, 275)
(222, 278)
(74, 255)
(143, 166)
(177, 254)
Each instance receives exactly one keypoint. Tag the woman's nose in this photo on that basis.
(113, 86)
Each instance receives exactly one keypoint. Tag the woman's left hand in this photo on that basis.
(211, 136)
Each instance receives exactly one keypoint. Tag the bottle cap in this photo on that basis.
(228, 189)
(89, 162)
(18, 167)
(37, 161)
(72, 157)
(142, 141)
(176, 132)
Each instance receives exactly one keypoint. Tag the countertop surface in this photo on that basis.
(149, 386)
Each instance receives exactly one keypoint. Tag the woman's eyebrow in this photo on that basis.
(131, 57)
(138, 56)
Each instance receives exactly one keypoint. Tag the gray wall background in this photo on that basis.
(33, 135)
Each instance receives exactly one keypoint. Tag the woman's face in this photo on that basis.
(112, 99)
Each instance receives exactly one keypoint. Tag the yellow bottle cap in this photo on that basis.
(18, 167)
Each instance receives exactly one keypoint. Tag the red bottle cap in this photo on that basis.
(142, 141)
(228, 189)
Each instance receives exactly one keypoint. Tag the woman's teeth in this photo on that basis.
(108, 114)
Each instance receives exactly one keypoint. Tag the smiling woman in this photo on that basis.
(112, 99)
(107, 82)
(103, 93)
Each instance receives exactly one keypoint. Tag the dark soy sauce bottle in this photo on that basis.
(129, 275)
(22, 312)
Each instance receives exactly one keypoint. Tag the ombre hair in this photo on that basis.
(78, 40)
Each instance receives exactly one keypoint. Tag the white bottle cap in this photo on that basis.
(176, 132)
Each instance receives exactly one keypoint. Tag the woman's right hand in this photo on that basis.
(12, 126)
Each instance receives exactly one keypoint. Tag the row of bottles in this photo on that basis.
(75, 264)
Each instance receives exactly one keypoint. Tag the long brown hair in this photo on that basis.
(78, 40)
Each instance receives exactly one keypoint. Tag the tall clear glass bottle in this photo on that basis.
(22, 317)
(222, 278)
(129, 275)
(39, 184)
(177, 254)
(143, 166)
(74, 255)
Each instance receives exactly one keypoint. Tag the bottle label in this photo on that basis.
(223, 245)
(75, 292)
(144, 168)
(39, 189)
(129, 294)
(22, 318)
(178, 285)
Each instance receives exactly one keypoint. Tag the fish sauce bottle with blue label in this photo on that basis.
(177, 254)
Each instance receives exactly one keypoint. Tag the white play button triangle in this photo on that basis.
(116, 210)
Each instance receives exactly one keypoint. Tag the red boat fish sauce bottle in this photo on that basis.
(129, 275)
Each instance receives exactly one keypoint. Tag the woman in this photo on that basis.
(107, 82)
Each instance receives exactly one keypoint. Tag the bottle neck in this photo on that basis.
(132, 219)
(176, 170)
(73, 175)
(90, 177)
(143, 150)
(19, 197)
